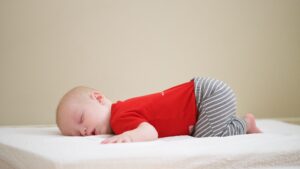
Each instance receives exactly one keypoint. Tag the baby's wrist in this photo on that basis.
(129, 136)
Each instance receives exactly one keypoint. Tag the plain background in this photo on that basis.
(128, 48)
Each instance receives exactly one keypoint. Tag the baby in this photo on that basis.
(202, 107)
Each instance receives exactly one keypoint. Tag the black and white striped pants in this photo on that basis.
(216, 105)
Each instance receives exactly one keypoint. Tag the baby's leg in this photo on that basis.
(217, 107)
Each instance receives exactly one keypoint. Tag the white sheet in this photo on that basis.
(43, 147)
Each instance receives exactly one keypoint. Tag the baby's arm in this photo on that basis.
(144, 132)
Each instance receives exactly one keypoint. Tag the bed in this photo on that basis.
(36, 147)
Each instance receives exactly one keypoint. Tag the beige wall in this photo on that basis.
(134, 47)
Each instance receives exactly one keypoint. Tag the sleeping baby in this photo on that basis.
(202, 107)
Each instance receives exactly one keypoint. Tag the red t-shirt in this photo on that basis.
(171, 111)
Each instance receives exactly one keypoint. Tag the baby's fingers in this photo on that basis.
(123, 140)
(109, 140)
(117, 139)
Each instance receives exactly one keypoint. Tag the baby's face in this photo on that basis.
(84, 119)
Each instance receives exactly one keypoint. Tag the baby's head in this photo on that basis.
(83, 111)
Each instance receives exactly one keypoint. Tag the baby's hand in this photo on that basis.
(191, 128)
(144, 132)
(122, 138)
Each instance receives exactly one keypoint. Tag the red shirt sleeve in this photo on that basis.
(126, 121)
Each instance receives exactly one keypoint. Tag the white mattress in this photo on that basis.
(44, 148)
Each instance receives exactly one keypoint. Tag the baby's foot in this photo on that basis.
(251, 124)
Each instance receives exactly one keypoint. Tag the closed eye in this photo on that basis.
(81, 118)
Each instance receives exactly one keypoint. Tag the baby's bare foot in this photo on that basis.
(251, 124)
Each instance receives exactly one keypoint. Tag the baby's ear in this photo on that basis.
(96, 95)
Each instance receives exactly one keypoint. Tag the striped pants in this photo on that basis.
(216, 105)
